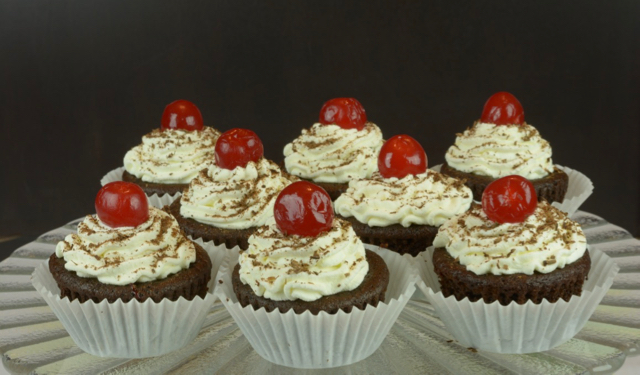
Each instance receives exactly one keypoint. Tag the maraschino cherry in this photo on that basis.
(122, 204)
(502, 108)
(347, 113)
(401, 155)
(510, 199)
(181, 114)
(237, 147)
(304, 209)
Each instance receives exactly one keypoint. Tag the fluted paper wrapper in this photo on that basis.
(127, 330)
(515, 328)
(116, 175)
(579, 189)
(321, 341)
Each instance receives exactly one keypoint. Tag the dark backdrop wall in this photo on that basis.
(81, 82)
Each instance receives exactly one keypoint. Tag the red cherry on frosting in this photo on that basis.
(510, 199)
(122, 204)
(502, 108)
(401, 155)
(347, 113)
(304, 209)
(181, 114)
(237, 147)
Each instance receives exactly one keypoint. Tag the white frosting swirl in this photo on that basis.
(234, 199)
(329, 153)
(280, 267)
(171, 156)
(501, 150)
(428, 198)
(545, 241)
(151, 251)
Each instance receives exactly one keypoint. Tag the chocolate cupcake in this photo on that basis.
(541, 258)
(123, 283)
(401, 207)
(170, 157)
(519, 267)
(306, 277)
(342, 146)
(500, 144)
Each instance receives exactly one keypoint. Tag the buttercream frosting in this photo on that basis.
(428, 198)
(281, 267)
(234, 199)
(150, 251)
(501, 150)
(329, 153)
(171, 156)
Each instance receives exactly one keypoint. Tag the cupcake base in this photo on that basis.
(334, 189)
(370, 292)
(151, 188)
(563, 283)
(324, 340)
(219, 236)
(187, 283)
(552, 187)
(403, 240)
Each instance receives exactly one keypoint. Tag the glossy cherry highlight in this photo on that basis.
(122, 204)
(303, 209)
(502, 108)
(401, 155)
(181, 114)
(237, 147)
(510, 199)
(347, 113)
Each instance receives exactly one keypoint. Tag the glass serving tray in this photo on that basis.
(32, 340)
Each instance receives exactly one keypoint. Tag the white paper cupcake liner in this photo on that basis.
(127, 330)
(116, 175)
(579, 189)
(515, 328)
(321, 341)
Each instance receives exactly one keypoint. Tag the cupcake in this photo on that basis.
(234, 195)
(170, 157)
(340, 147)
(501, 143)
(515, 275)
(128, 266)
(307, 279)
(521, 251)
(401, 206)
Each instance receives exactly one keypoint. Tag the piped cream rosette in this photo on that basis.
(324, 340)
(240, 198)
(329, 153)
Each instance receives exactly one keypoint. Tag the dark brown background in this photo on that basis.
(81, 82)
